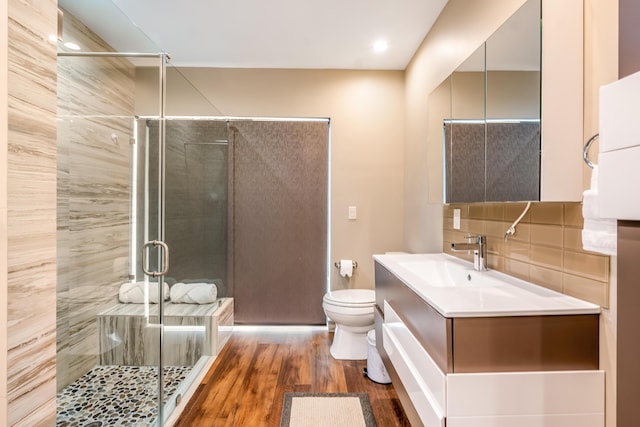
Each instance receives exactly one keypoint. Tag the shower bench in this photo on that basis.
(126, 336)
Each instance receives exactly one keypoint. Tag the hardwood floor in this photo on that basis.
(246, 384)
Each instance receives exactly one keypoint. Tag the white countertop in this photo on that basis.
(455, 289)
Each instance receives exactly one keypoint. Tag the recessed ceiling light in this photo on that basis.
(380, 46)
(72, 46)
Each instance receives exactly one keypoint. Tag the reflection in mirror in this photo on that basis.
(492, 137)
(464, 132)
(513, 107)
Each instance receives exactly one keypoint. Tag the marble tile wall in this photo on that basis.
(546, 248)
(125, 338)
(95, 105)
(30, 175)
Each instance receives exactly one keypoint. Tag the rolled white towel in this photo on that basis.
(600, 235)
(194, 293)
(133, 293)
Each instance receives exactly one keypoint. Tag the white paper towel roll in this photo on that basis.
(346, 267)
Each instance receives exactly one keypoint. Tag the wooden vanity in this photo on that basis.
(485, 349)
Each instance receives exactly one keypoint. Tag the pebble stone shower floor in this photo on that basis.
(116, 396)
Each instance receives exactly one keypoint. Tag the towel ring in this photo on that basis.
(585, 150)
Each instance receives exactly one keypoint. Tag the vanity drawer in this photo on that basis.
(525, 343)
(424, 382)
(505, 399)
(430, 328)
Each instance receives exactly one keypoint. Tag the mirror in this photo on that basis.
(464, 131)
(492, 134)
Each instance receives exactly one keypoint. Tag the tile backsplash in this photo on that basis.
(546, 248)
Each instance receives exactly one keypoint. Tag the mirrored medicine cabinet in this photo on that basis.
(501, 141)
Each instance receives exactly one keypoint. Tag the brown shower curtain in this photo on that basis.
(279, 181)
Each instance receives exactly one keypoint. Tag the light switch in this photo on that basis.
(456, 219)
(352, 212)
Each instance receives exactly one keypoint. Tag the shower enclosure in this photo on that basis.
(130, 364)
(239, 203)
(147, 201)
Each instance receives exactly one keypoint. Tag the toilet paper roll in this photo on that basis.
(346, 267)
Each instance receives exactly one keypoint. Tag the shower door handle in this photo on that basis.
(165, 266)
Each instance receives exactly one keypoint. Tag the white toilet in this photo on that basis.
(352, 312)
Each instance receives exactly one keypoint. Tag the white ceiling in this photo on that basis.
(329, 34)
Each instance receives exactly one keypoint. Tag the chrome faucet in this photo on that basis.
(479, 249)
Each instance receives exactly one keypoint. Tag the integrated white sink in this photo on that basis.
(455, 289)
(441, 274)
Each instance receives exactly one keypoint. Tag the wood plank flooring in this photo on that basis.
(246, 384)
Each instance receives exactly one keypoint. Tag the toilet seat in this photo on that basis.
(351, 297)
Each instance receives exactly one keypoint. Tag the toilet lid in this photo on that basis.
(352, 296)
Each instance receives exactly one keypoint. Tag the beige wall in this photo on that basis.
(367, 135)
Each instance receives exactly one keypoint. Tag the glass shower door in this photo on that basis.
(186, 208)
(108, 338)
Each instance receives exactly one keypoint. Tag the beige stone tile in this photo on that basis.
(447, 223)
(587, 265)
(476, 226)
(476, 211)
(495, 246)
(573, 215)
(547, 213)
(447, 211)
(522, 234)
(512, 211)
(589, 290)
(516, 268)
(495, 228)
(464, 209)
(452, 236)
(494, 211)
(547, 277)
(572, 239)
(548, 235)
(495, 262)
(516, 251)
(546, 257)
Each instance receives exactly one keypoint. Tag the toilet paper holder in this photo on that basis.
(337, 264)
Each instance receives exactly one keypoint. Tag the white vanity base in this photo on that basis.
(526, 399)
